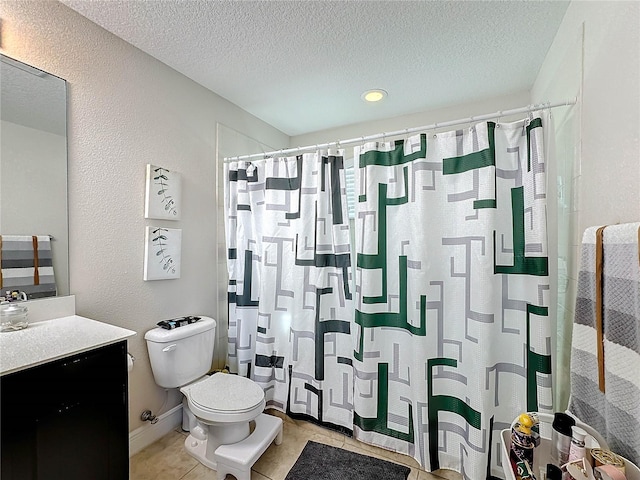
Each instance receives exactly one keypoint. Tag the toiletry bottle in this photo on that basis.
(561, 438)
(577, 450)
(523, 441)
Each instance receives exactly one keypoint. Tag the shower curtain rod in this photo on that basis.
(406, 131)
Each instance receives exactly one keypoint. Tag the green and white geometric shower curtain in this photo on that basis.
(452, 293)
(290, 298)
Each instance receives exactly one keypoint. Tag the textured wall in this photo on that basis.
(596, 57)
(609, 172)
(127, 109)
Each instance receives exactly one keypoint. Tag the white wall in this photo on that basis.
(609, 89)
(456, 112)
(594, 56)
(28, 159)
(127, 109)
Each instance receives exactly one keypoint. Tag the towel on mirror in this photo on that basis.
(27, 265)
(605, 351)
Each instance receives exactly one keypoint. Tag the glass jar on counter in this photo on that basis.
(13, 316)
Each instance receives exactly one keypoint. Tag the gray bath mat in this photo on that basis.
(322, 462)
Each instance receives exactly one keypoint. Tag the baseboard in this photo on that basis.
(150, 432)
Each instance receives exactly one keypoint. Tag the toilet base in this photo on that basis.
(238, 458)
(198, 449)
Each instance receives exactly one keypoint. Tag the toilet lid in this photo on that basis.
(226, 393)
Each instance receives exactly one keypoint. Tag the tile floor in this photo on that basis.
(166, 459)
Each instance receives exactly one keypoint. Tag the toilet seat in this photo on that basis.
(225, 398)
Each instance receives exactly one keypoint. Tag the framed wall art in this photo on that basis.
(162, 251)
(163, 194)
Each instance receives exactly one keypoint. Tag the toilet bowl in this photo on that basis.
(218, 410)
(224, 406)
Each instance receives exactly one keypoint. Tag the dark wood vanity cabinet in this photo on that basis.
(67, 419)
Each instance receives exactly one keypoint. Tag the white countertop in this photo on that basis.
(49, 340)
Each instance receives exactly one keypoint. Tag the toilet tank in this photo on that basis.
(181, 355)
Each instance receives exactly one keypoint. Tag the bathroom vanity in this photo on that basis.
(64, 401)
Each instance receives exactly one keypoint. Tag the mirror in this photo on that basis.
(33, 163)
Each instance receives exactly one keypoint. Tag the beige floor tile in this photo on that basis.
(279, 414)
(165, 459)
(276, 462)
(414, 474)
(200, 472)
(448, 474)
(256, 476)
(314, 429)
(382, 453)
(428, 476)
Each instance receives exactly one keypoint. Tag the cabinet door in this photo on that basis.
(72, 417)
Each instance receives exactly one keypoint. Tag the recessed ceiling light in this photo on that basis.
(374, 95)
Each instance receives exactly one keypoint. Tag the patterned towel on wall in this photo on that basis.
(27, 265)
(609, 399)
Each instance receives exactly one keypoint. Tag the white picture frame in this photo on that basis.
(162, 252)
(163, 194)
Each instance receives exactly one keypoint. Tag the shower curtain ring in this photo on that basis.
(532, 107)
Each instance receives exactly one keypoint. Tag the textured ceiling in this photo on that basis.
(302, 66)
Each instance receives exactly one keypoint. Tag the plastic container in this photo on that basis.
(632, 472)
(13, 316)
(542, 454)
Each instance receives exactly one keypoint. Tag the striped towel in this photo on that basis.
(27, 265)
(605, 361)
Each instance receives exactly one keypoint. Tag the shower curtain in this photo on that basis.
(452, 293)
(290, 298)
(447, 338)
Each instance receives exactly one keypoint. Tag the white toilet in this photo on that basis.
(217, 410)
